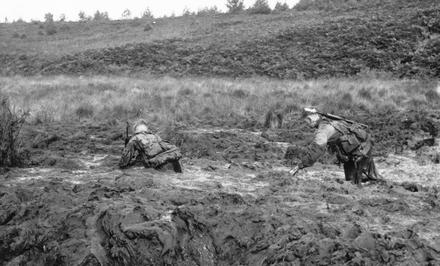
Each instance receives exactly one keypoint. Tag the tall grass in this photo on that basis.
(206, 101)
(11, 122)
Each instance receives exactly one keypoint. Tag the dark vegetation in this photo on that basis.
(399, 37)
(11, 121)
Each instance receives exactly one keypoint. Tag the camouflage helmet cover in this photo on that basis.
(308, 111)
(140, 126)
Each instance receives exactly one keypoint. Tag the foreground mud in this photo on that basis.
(230, 207)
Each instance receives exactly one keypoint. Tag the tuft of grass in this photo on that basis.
(11, 121)
(84, 110)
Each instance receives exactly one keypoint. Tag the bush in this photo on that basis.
(208, 11)
(11, 153)
(48, 17)
(281, 7)
(365, 93)
(235, 6)
(85, 110)
(147, 14)
(50, 28)
(148, 27)
(83, 17)
(100, 16)
(260, 7)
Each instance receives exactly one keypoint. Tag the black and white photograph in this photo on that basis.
(219, 132)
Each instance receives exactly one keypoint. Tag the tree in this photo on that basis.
(62, 18)
(48, 17)
(186, 12)
(100, 16)
(260, 7)
(147, 14)
(126, 14)
(235, 6)
(281, 7)
(83, 17)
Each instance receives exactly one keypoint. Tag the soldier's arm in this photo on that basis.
(317, 148)
(167, 146)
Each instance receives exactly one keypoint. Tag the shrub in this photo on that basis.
(148, 27)
(11, 153)
(48, 17)
(260, 7)
(208, 11)
(50, 28)
(185, 92)
(85, 110)
(64, 28)
(235, 6)
(239, 93)
(147, 14)
(100, 16)
(83, 17)
(365, 93)
(273, 119)
(281, 7)
(136, 22)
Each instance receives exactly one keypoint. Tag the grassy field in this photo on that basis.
(217, 101)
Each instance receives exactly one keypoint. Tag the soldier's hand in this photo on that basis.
(294, 170)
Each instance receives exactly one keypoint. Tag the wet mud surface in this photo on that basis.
(235, 204)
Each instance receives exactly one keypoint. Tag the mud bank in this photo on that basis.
(217, 213)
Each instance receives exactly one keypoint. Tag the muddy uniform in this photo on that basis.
(351, 144)
(151, 151)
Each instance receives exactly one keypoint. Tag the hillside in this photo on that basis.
(398, 37)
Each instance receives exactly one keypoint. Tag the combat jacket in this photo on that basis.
(148, 148)
(347, 141)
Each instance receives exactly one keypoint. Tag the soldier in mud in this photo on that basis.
(150, 150)
(349, 140)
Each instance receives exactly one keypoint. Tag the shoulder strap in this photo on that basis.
(340, 126)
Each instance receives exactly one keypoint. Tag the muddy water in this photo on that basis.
(220, 212)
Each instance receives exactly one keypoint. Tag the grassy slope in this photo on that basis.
(74, 37)
(400, 37)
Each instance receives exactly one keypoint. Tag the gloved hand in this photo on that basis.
(294, 170)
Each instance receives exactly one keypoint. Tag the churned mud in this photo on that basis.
(235, 204)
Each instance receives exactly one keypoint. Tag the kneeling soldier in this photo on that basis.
(150, 149)
(349, 140)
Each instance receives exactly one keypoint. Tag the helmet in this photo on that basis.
(311, 115)
(308, 111)
(140, 127)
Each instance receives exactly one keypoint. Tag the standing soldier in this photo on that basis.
(149, 149)
(349, 140)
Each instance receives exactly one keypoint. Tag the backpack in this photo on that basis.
(354, 140)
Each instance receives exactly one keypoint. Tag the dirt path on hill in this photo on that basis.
(234, 204)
